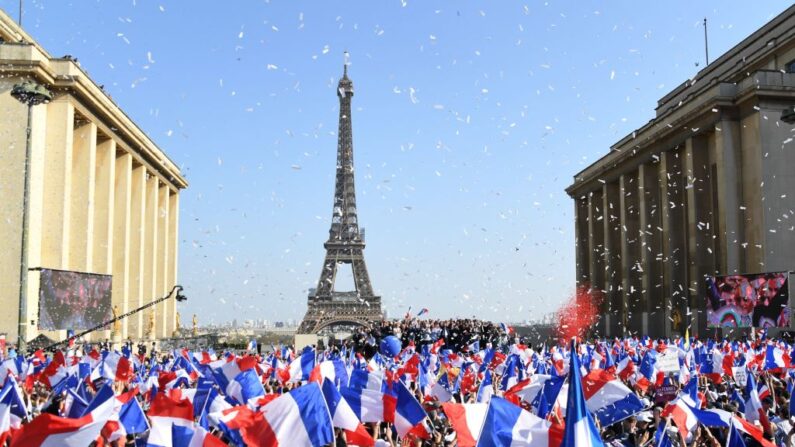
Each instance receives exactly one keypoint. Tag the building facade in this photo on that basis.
(705, 187)
(102, 197)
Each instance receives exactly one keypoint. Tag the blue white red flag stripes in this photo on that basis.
(580, 428)
(507, 425)
(467, 421)
(342, 416)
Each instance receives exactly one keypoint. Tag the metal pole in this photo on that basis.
(706, 42)
(22, 334)
(19, 22)
(177, 288)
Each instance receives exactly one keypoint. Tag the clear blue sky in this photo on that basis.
(470, 119)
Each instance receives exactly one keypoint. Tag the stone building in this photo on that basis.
(707, 186)
(102, 196)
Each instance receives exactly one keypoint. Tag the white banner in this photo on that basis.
(739, 374)
(668, 361)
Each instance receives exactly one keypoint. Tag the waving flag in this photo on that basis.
(422, 312)
(580, 428)
(486, 388)
(247, 385)
(608, 398)
(116, 367)
(164, 414)
(299, 418)
(301, 368)
(508, 425)
(370, 405)
(342, 416)
(50, 430)
(467, 421)
(333, 370)
(408, 412)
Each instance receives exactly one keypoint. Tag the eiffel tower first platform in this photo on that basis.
(327, 306)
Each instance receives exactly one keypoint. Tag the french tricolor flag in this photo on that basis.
(333, 370)
(247, 385)
(608, 398)
(172, 425)
(301, 368)
(408, 413)
(342, 416)
(116, 367)
(466, 420)
(50, 430)
(299, 418)
(580, 427)
(508, 425)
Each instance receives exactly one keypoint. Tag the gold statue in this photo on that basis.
(117, 323)
(179, 324)
(150, 331)
(676, 319)
(195, 325)
(177, 327)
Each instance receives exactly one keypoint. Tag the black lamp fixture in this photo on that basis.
(31, 93)
(788, 115)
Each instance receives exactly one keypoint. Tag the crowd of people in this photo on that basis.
(411, 382)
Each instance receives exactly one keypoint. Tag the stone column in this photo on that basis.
(81, 252)
(161, 259)
(673, 241)
(57, 183)
(581, 242)
(173, 242)
(651, 251)
(596, 252)
(151, 292)
(138, 232)
(631, 313)
(699, 244)
(729, 182)
(122, 206)
(612, 249)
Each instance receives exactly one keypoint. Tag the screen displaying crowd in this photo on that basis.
(413, 382)
(759, 300)
(73, 300)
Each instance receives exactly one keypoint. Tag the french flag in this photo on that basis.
(370, 405)
(193, 436)
(776, 358)
(467, 421)
(342, 416)
(226, 373)
(608, 398)
(580, 427)
(50, 430)
(422, 312)
(508, 425)
(298, 418)
(301, 368)
(333, 370)
(247, 385)
(116, 367)
(753, 404)
(252, 345)
(408, 413)
(172, 425)
(12, 409)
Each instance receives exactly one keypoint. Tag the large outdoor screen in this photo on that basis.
(758, 300)
(73, 300)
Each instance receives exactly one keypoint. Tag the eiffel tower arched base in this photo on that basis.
(324, 315)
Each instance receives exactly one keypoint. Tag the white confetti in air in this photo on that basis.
(413, 96)
(272, 67)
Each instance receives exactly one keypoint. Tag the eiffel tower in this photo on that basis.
(345, 245)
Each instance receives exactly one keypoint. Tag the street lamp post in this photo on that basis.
(29, 93)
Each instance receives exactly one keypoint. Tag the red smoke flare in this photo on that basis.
(577, 317)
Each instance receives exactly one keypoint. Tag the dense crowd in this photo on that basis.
(414, 382)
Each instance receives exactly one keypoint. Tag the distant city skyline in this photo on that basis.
(468, 123)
